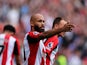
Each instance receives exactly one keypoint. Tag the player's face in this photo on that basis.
(39, 23)
(60, 25)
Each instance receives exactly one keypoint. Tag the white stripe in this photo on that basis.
(2, 36)
(52, 55)
(1, 59)
(27, 50)
(40, 53)
(11, 44)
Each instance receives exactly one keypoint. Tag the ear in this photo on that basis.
(56, 26)
(32, 24)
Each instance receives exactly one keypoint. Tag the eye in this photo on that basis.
(41, 21)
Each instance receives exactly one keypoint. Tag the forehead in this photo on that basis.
(38, 17)
(63, 22)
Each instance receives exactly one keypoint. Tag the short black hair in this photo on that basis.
(9, 28)
(56, 21)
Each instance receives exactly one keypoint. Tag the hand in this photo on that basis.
(68, 27)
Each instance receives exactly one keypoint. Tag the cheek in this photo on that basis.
(60, 26)
(39, 24)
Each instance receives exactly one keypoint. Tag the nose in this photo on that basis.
(43, 23)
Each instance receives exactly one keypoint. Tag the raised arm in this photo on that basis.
(47, 34)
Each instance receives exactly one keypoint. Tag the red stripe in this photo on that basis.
(4, 58)
(47, 60)
(11, 59)
(18, 46)
(33, 53)
(42, 61)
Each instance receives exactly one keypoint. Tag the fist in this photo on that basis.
(68, 27)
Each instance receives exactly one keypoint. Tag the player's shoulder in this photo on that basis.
(13, 38)
(54, 37)
(2, 35)
(5, 35)
(33, 33)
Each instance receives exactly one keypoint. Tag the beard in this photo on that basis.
(38, 29)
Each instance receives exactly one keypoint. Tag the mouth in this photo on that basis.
(42, 28)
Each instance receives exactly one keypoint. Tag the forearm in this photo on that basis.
(47, 34)
(50, 33)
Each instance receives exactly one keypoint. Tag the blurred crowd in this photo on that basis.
(73, 50)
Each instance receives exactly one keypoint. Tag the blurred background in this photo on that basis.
(73, 47)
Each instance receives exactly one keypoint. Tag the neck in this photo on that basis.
(32, 29)
(7, 33)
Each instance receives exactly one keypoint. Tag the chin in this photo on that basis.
(38, 29)
(42, 30)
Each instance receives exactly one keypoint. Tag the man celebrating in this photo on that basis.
(33, 45)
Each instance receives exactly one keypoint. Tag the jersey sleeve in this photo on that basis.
(32, 37)
(34, 34)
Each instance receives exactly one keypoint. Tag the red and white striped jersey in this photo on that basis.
(33, 49)
(51, 46)
(7, 44)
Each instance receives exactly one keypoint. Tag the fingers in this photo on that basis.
(70, 30)
(69, 27)
(72, 26)
(68, 22)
